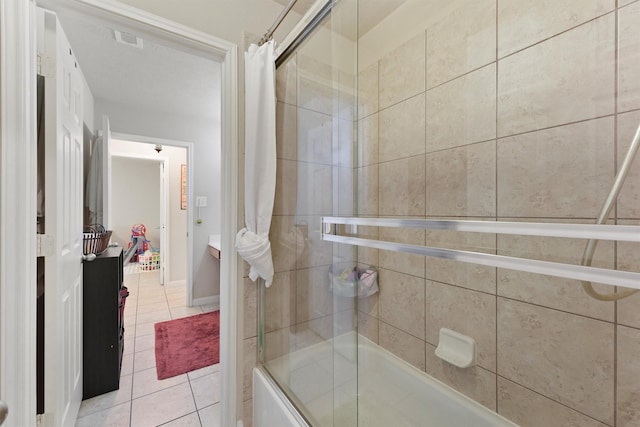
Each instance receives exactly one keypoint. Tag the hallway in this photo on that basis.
(187, 400)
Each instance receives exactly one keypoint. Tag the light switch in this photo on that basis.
(201, 201)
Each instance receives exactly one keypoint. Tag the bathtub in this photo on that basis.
(381, 390)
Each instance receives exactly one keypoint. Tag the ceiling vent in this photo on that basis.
(127, 39)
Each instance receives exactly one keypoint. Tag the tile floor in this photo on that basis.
(187, 400)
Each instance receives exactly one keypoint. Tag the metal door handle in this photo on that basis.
(88, 257)
(4, 411)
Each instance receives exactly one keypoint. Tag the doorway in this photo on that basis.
(18, 303)
(149, 186)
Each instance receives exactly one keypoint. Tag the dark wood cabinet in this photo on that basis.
(103, 330)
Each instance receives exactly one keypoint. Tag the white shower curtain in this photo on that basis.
(252, 242)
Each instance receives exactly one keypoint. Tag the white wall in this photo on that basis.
(205, 137)
(177, 220)
(135, 187)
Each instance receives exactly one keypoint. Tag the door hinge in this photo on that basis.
(47, 66)
(45, 245)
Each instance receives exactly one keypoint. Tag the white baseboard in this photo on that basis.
(176, 282)
(212, 300)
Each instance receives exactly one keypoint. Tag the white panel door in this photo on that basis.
(106, 177)
(63, 222)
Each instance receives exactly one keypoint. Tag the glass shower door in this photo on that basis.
(309, 323)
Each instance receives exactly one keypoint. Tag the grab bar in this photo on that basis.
(550, 268)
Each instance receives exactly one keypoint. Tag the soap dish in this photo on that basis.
(456, 348)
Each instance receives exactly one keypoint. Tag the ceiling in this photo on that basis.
(159, 77)
(156, 78)
(370, 12)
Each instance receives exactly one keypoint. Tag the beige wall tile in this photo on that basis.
(368, 190)
(344, 142)
(628, 260)
(402, 187)
(554, 292)
(315, 83)
(463, 40)
(628, 407)
(476, 382)
(462, 111)
(401, 129)
(345, 99)
(625, 2)
(565, 357)
(560, 172)
(471, 276)
(283, 236)
(286, 187)
(247, 413)
(405, 346)
(313, 189)
(250, 350)
(522, 23)
(628, 57)
(368, 91)
(312, 250)
(343, 191)
(368, 326)
(315, 137)
(280, 302)
(368, 256)
(629, 310)
(629, 199)
(466, 275)
(468, 312)
(287, 81)
(313, 296)
(368, 140)
(567, 78)
(286, 131)
(250, 309)
(461, 181)
(401, 301)
(526, 408)
(278, 343)
(401, 72)
(402, 262)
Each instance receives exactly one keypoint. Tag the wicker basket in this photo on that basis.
(95, 239)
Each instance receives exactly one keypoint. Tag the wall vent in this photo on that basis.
(127, 39)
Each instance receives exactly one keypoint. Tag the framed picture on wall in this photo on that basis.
(183, 187)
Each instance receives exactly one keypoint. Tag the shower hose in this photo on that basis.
(590, 247)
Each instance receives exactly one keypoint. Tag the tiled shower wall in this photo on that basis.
(510, 110)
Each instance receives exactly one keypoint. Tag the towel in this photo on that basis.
(256, 251)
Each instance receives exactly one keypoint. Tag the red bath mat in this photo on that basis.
(187, 344)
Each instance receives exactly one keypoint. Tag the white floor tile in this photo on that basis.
(207, 370)
(191, 420)
(108, 400)
(146, 382)
(145, 342)
(145, 329)
(178, 312)
(142, 399)
(210, 416)
(127, 365)
(154, 316)
(118, 416)
(161, 407)
(149, 308)
(144, 360)
(206, 390)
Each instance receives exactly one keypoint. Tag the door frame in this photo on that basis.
(18, 196)
(189, 147)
